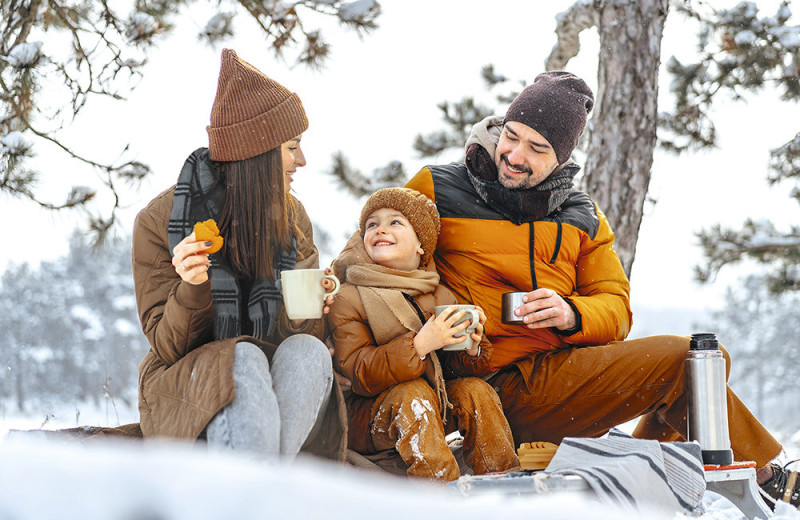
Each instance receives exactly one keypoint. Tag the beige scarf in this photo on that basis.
(390, 315)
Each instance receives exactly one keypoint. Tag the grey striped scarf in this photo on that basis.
(199, 197)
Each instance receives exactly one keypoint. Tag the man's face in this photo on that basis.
(523, 157)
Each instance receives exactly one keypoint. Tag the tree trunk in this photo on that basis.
(623, 134)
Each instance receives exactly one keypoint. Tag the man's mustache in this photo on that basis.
(504, 158)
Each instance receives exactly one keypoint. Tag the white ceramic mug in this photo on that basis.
(472, 315)
(303, 293)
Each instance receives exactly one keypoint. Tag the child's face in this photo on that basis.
(390, 240)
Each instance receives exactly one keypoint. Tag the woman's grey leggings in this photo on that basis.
(276, 407)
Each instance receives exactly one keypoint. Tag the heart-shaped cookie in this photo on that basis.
(208, 232)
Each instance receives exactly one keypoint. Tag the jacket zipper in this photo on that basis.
(558, 241)
(530, 257)
(416, 308)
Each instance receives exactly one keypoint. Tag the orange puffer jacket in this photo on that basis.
(481, 255)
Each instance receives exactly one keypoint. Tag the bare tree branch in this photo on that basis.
(569, 24)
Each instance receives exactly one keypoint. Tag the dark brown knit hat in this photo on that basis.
(420, 211)
(556, 105)
(252, 114)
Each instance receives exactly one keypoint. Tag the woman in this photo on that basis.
(225, 363)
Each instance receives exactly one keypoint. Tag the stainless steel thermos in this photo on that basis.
(707, 399)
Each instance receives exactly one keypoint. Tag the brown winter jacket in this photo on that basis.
(374, 368)
(187, 377)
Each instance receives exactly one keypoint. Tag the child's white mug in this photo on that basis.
(303, 293)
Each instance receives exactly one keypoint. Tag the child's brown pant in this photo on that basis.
(408, 420)
(585, 391)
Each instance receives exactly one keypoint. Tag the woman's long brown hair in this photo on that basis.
(257, 220)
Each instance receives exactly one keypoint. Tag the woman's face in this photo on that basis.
(293, 158)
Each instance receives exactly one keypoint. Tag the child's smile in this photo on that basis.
(390, 240)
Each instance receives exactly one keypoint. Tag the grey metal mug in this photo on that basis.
(471, 315)
(512, 300)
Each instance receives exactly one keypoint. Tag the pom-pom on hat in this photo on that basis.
(556, 105)
(420, 211)
(252, 114)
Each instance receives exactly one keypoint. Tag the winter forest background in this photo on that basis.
(78, 163)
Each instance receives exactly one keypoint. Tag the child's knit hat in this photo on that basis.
(420, 211)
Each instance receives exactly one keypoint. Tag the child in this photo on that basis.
(386, 337)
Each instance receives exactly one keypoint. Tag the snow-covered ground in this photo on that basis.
(170, 480)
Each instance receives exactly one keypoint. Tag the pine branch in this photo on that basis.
(358, 184)
(759, 241)
(109, 52)
(784, 162)
(739, 53)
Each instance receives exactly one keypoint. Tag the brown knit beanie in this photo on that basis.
(252, 114)
(556, 105)
(420, 211)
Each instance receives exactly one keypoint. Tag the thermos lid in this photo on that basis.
(704, 341)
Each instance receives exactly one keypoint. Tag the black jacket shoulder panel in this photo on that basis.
(579, 211)
(456, 196)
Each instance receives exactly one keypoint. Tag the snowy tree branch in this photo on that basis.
(108, 53)
(759, 241)
(569, 24)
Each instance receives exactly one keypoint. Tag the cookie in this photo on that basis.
(208, 232)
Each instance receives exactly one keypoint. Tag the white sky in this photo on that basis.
(377, 93)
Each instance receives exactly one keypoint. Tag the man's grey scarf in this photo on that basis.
(518, 206)
(198, 197)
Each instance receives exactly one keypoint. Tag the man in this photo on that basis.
(511, 221)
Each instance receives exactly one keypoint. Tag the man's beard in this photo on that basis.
(514, 183)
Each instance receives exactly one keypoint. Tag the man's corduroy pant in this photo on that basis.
(585, 391)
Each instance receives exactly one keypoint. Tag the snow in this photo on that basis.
(281, 9)
(784, 12)
(94, 327)
(788, 36)
(763, 240)
(25, 54)
(218, 23)
(14, 143)
(176, 480)
(419, 407)
(141, 25)
(170, 480)
(746, 37)
(356, 10)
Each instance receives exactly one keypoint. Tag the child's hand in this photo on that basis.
(439, 331)
(477, 336)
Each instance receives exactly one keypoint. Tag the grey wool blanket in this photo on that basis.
(635, 474)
